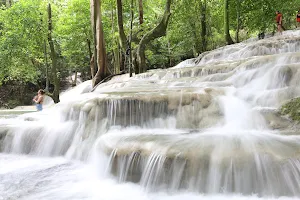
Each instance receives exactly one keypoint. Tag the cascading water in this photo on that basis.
(206, 128)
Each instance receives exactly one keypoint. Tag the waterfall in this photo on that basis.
(208, 127)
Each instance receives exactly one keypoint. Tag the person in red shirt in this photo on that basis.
(279, 22)
(298, 18)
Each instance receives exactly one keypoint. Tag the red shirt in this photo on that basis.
(298, 17)
(278, 17)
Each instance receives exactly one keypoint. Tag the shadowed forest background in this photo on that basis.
(44, 43)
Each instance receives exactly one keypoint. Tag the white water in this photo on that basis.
(202, 130)
(24, 178)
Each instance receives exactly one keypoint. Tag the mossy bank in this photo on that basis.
(292, 109)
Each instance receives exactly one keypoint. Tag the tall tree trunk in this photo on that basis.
(197, 45)
(92, 66)
(122, 57)
(203, 26)
(92, 69)
(117, 59)
(93, 63)
(169, 51)
(101, 51)
(122, 36)
(75, 79)
(55, 73)
(116, 53)
(158, 31)
(141, 12)
(130, 67)
(226, 23)
(238, 21)
(47, 67)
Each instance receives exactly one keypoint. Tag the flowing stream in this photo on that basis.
(207, 128)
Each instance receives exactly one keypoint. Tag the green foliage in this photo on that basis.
(292, 109)
(73, 30)
(260, 15)
(12, 103)
(23, 31)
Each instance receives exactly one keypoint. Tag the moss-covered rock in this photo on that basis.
(292, 109)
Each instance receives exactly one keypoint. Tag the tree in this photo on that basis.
(53, 54)
(203, 25)
(238, 20)
(75, 35)
(226, 23)
(100, 43)
(141, 12)
(195, 26)
(21, 41)
(158, 31)
(122, 36)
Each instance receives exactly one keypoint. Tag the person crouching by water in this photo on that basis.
(39, 99)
